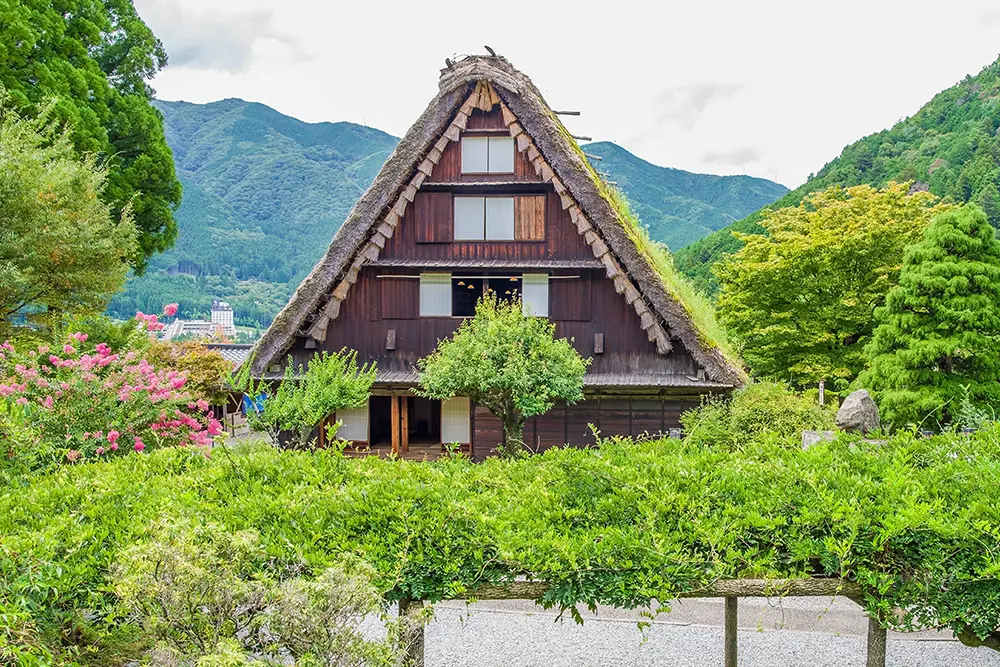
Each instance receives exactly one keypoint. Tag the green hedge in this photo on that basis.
(914, 521)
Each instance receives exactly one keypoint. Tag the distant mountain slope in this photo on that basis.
(681, 207)
(263, 194)
(950, 146)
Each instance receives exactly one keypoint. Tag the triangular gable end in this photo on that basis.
(542, 139)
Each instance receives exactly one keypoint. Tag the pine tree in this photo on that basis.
(938, 334)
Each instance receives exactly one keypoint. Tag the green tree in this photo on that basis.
(938, 335)
(63, 251)
(800, 298)
(93, 59)
(306, 396)
(508, 362)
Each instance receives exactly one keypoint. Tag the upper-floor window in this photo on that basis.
(487, 155)
(484, 219)
(456, 295)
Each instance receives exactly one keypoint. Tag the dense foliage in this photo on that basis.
(263, 195)
(621, 525)
(508, 362)
(937, 336)
(801, 297)
(680, 207)
(62, 404)
(759, 410)
(950, 147)
(290, 411)
(93, 60)
(62, 251)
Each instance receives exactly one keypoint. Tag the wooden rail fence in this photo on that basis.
(731, 590)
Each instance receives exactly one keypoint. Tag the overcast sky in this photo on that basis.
(767, 88)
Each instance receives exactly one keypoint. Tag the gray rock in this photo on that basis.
(858, 413)
(810, 438)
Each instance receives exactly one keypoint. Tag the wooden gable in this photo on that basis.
(487, 108)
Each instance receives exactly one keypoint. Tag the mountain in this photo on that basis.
(263, 192)
(950, 146)
(680, 207)
(259, 189)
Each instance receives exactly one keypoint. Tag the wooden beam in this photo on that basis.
(394, 422)
(534, 590)
(581, 138)
(731, 628)
(404, 424)
(412, 632)
(566, 113)
(876, 644)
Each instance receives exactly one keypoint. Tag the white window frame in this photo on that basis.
(354, 424)
(535, 294)
(499, 219)
(456, 421)
(488, 155)
(465, 210)
(435, 295)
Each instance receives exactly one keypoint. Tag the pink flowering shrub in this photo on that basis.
(100, 404)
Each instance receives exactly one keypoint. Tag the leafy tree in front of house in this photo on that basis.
(63, 251)
(304, 397)
(938, 335)
(508, 362)
(90, 61)
(800, 298)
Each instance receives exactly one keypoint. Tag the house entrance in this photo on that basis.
(396, 422)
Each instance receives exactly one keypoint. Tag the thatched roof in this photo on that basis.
(594, 207)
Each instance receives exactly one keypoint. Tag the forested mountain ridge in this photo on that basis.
(260, 191)
(264, 193)
(950, 146)
(679, 206)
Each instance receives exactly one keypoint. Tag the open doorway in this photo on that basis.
(380, 420)
(423, 420)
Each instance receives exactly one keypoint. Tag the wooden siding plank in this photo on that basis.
(529, 218)
(433, 217)
(399, 298)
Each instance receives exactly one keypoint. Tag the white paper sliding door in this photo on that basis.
(456, 421)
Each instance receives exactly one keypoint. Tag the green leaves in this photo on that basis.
(507, 361)
(801, 296)
(937, 338)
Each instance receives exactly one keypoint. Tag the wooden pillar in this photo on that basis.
(731, 629)
(876, 643)
(412, 632)
(394, 422)
(404, 423)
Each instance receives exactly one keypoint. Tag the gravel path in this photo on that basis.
(795, 632)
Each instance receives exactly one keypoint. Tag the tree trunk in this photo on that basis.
(513, 433)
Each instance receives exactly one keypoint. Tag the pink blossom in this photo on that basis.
(73, 455)
(113, 436)
(86, 434)
(68, 349)
(214, 427)
(47, 402)
(6, 390)
(54, 360)
(7, 346)
(170, 309)
(114, 447)
(138, 446)
(99, 451)
(203, 405)
(82, 337)
(22, 401)
(43, 349)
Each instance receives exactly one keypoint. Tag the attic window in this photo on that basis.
(484, 218)
(487, 155)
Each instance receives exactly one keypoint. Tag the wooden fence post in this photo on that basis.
(876, 643)
(412, 631)
(731, 628)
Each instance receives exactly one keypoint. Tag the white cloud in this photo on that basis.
(686, 85)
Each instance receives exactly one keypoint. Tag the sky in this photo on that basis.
(765, 88)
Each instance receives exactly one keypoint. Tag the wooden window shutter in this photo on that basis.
(399, 298)
(432, 214)
(529, 218)
(571, 299)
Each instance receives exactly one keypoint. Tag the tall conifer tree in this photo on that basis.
(939, 331)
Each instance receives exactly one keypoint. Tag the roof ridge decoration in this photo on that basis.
(483, 82)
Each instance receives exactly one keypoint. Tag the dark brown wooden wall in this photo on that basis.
(376, 305)
(410, 241)
(570, 424)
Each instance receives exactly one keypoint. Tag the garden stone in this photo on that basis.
(810, 438)
(858, 413)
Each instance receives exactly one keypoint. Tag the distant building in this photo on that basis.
(221, 324)
(222, 315)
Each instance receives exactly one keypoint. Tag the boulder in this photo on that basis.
(858, 413)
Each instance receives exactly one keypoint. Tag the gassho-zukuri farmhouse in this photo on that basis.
(488, 190)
